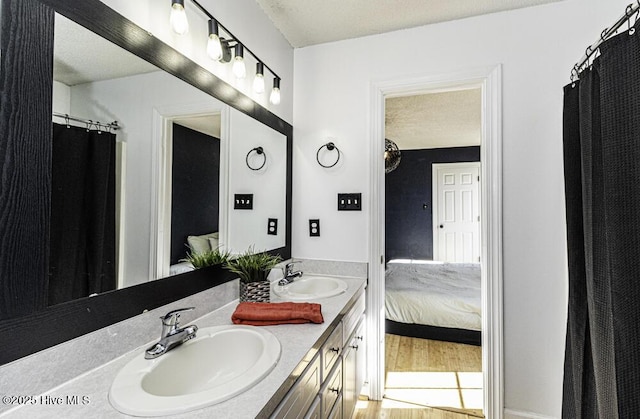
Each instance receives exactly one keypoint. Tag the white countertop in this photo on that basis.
(298, 341)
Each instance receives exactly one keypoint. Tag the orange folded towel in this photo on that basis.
(267, 314)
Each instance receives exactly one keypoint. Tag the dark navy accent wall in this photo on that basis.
(408, 226)
(195, 187)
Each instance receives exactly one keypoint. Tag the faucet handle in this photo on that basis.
(171, 320)
(289, 266)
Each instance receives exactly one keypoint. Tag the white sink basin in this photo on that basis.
(218, 364)
(310, 287)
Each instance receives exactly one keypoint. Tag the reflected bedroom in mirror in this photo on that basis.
(122, 167)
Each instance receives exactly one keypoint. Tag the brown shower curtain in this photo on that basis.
(602, 188)
(82, 237)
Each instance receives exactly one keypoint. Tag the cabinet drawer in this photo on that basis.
(352, 318)
(331, 351)
(331, 390)
(315, 412)
(301, 395)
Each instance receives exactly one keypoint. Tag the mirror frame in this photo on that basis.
(22, 336)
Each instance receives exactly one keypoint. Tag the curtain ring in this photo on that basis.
(89, 123)
(259, 151)
(330, 147)
(66, 120)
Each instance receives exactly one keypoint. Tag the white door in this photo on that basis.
(456, 212)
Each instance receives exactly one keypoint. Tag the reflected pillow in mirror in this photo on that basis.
(200, 244)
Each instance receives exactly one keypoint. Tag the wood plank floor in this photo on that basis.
(417, 370)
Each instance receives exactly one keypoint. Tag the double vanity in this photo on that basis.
(231, 371)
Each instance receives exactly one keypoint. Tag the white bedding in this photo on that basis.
(434, 294)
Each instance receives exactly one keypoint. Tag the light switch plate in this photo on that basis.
(349, 202)
(243, 201)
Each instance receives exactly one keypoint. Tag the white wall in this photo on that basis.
(537, 48)
(249, 227)
(245, 19)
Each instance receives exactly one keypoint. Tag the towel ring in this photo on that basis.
(330, 147)
(259, 151)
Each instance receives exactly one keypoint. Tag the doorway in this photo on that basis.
(489, 81)
(194, 116)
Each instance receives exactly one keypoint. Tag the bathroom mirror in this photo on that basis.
(80, 316)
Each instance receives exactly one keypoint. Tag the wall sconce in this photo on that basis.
(259, 152)
(219, 48)
(330, 147)
(178, 18)
(391, 156)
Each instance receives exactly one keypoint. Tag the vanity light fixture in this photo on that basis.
(214, 46)
(219, 44)
(178, 18)
(275, 92)
(239, 69)
(258, 80)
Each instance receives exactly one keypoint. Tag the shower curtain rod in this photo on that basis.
(631, 9)
(111, 125)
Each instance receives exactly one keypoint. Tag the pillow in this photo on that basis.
(214, 242)
(200, 244)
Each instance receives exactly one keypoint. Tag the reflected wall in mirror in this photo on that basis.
(115, 85)
(143, 104)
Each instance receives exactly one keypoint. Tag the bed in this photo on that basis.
(434, 300)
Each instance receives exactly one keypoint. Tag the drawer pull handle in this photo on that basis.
(359, 337)
(336, 350)
(354, 347)
(335, 390)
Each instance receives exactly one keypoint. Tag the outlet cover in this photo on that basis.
(314, 228)
(272, 227)
(243, 201)
(349, 202)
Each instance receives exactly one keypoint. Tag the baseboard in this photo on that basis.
(521, 414)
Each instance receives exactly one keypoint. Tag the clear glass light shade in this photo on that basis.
(178, 19)
(239, 69)
(258, 83)
(214, 47)
(275, 96)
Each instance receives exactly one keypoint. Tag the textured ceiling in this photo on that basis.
(310, 22)
(434, 120)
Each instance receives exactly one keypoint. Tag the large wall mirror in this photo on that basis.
(181, 152)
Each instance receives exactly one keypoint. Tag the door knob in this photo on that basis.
(441, 225)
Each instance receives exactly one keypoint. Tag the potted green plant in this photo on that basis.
(253, 269)
(208, 258)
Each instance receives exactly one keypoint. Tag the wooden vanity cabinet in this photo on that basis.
(330, 385)
(302, 394)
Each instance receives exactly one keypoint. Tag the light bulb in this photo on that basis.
(258, 80)
(178, 18)
(214, 47)
(275, 96)
(275, 92)
(258, 84)
(239, 69)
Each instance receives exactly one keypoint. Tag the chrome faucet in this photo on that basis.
(289, 274)
(172, 335)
